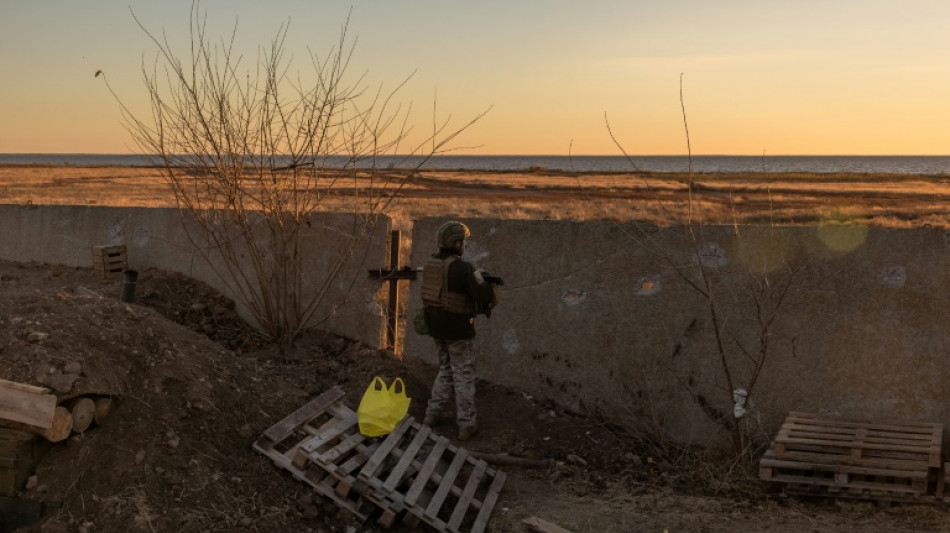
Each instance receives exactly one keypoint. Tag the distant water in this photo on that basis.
(705, 163)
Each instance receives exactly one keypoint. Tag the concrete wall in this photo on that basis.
(156, 238)
(604, 318)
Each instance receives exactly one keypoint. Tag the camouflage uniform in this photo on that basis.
(456, 375)
(453, 293)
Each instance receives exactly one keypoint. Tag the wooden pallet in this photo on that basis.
(109, 259)
(440, 484)
(282, 443)
(817, 455)
(408, 476)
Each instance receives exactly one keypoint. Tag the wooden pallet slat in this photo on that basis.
(288, 424)
(398, 473)
(448, 480)
(388, 444)
(329, 434)
(856, 486)
(345, 446)
(424, 475)
(484, 514)
(465, 500)
(818, 454)
(358, 460)
(815, 418)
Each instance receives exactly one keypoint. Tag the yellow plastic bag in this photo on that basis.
(382, 408)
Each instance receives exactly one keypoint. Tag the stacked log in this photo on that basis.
(103, 408)
(34, 410)
(86, 410)
(83, 411)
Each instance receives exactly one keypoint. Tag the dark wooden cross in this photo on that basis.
(393, 275)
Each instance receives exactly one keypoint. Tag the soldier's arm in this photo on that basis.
(482, 292)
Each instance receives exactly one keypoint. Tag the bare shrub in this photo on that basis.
(741, 355)
(252, 152)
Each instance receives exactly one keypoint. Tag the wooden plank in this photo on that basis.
(30, 408)
(484, 514)
(542, 526)
(388, 444)
(909, 474)
(323, 428)
(358, 460)
(868, 457)
(837, 449)
(809, 457)
(843, 428)
(862, 446)
(285, 427)
(879, 496)
(398, 472)
(387, 518)
(422, 479)
(344, 447)
(465, 500)
(857, 444)
(832, 420)
(861, 435)
(836, 426)
(24, 387)
(110, 258)
(448, 481)
(865, 434)
(918, 451)
(862, 485)
(324, 437)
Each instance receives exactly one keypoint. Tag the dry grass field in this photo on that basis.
(893, 200)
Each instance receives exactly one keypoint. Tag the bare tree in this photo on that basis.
(251, 152)
(741, 355)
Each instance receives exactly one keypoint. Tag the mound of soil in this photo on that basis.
(195, 387)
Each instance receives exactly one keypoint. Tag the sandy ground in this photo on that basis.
(196, 389)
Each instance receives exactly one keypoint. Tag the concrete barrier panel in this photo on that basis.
(621, 320)
(349, 302)
(616, 320)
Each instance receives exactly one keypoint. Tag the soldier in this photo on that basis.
(453, 292)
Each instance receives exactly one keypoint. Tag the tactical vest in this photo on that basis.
(435, 288)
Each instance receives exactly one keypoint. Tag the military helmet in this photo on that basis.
(450, 232)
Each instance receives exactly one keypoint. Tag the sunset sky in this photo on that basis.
(848, 77)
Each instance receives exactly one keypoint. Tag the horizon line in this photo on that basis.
(628, 156)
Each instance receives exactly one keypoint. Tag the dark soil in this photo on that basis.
(196, 386)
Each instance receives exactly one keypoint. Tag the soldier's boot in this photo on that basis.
(466, 432)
